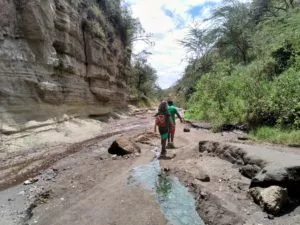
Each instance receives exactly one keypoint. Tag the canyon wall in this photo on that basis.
(58, 57)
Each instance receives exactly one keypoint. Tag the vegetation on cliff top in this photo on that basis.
(246, 66)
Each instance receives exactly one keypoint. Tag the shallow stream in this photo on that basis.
(177, 204)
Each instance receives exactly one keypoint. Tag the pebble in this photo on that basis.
(30, 181)
(270, 217)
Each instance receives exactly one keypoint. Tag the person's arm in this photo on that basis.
(178, 115)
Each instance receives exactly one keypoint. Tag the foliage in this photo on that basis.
(276, 135)
(252, 72)
(143, 79)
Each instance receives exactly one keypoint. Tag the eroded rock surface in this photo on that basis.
(287, 177)
(58, 57)
(271, 199)
(249, 171)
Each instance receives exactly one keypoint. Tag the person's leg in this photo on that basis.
(163, 147)
(172, 134)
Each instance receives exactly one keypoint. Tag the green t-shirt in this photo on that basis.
(173, 111)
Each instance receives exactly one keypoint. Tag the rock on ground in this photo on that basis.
(271, 199)
(123, 146)
(202, 176)
(186, 129)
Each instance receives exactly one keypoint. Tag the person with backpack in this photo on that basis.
(173, 111)
(163, 121)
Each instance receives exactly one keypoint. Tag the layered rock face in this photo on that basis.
(58, 57)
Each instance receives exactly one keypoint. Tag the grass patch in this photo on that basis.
(277, 136)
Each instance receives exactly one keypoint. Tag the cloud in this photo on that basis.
(202, 10)
(168, 21)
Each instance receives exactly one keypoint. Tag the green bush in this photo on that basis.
(265, 91)
(285, 99)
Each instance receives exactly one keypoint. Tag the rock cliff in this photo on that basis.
(58, 57)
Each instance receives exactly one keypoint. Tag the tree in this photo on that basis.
(232, 26)
(144, 77)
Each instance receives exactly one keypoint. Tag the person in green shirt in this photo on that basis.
(173, 112)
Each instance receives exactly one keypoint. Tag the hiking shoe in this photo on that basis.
(171, 145)
(162, 156)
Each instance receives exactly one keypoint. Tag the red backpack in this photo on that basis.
(161, 120)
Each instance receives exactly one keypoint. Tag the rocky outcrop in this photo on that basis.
(58, 57)
(284, 176)
(230, 153)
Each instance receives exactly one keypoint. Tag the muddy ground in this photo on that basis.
(79, 182)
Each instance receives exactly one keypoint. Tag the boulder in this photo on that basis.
(249, 171)
(283, 176)
(123, 146)
(271, 199)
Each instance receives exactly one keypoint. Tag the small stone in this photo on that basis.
(62, 199)
(114, 157)
(203, 178)
(203, 195)
(242, 137)
(270, 217)
(30, 181)
(166, 169)
(186, 129)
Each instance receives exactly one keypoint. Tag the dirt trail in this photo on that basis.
(81, 183)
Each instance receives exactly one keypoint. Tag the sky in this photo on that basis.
(168, 21)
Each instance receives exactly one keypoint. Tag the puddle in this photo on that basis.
(177, 204)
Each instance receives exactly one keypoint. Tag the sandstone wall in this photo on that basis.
(57, 57)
